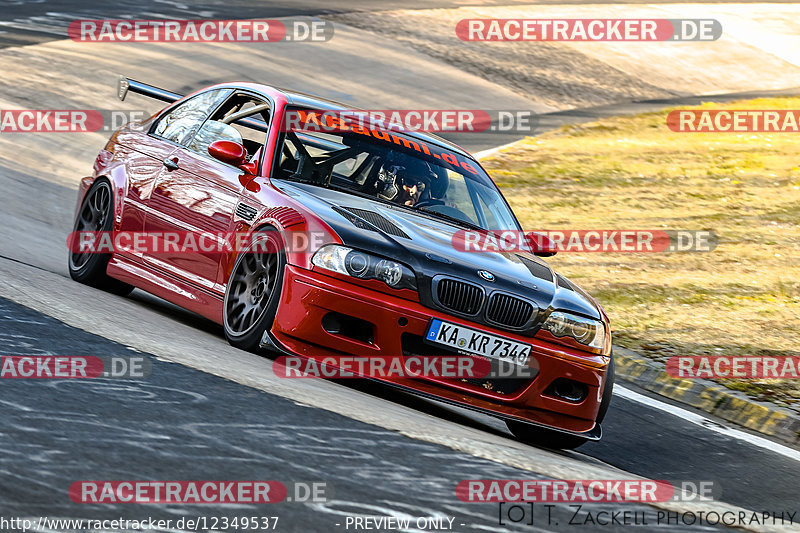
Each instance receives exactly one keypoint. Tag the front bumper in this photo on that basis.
(308, 296)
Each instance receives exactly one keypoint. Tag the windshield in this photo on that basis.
(394, 168)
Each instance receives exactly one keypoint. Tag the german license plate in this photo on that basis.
(476, 342)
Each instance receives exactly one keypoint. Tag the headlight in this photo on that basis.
(584, 330)
(362, 265)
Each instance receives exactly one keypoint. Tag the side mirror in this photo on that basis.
(541, 245)
(228, 152)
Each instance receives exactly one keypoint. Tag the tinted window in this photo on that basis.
(180, 124)
(242, 119)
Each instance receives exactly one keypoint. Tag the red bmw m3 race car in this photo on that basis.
(350, 253)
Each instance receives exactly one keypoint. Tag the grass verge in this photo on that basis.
(632, 172)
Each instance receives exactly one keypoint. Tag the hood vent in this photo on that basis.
(563, 283)
(537, 269)
(376, 220)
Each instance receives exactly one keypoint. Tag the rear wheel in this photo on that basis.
(548, 438)
(96, 213)
(253, 291)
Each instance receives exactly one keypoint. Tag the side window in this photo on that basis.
(242, 119)
(213, 130)
(348, 167)
(180, 124)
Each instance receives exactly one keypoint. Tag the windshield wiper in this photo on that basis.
(455, 220)
(431, 214)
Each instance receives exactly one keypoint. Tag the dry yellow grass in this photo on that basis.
(634, 173)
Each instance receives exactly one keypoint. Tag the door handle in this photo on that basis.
(171, 164)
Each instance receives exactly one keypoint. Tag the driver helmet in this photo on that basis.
(399, 170)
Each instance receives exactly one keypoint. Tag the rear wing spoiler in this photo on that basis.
(124, 86)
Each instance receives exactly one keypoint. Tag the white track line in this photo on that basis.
(491, 151)
(707, 423)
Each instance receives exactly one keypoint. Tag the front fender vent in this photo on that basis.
(246, 212)
(286, 216)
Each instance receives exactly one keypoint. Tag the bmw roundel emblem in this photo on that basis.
(485, 274)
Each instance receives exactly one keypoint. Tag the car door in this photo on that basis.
(146, 150)
(195, 198)
(143, 156)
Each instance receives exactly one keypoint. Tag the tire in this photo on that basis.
(96, 213)
(608, 391)
(253, 291)
(539, 436)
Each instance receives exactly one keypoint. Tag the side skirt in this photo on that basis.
(167, 287)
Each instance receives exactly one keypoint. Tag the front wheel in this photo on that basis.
(539, 436)
(253, 291)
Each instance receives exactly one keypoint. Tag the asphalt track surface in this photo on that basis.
(186, 424)
(208, 411)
